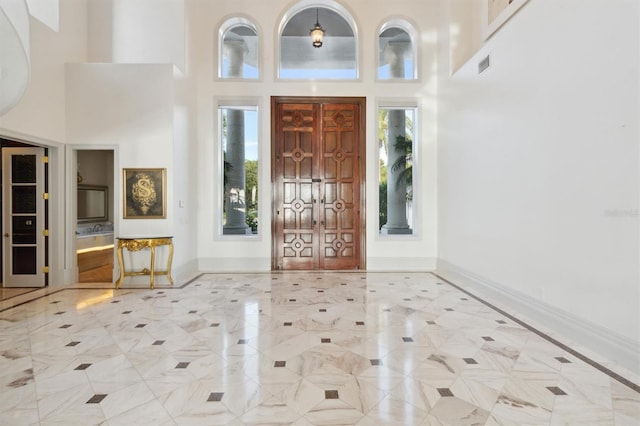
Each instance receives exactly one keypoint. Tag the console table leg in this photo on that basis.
(169, 260)
(121, 266)
(153, 265)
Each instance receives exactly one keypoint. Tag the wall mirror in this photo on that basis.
(93, 203)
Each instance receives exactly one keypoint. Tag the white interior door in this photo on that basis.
(23, 217)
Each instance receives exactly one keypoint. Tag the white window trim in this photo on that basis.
(413, 104)
(410, 29)
(226, 25)
(252, 104)
(312, 4)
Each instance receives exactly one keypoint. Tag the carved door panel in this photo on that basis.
(317, 183)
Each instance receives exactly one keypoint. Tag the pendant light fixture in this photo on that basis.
(317, 33)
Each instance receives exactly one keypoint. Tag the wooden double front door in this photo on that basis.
(318, 183)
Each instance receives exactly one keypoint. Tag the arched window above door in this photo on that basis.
(397, 51)
(238, 49)
(335, 58)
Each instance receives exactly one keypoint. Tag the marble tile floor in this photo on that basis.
(292, 348)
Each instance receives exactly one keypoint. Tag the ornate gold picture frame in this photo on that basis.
(144, 193)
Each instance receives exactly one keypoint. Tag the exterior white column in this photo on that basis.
(396, 120)
(235, 194)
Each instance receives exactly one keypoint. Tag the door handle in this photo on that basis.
(6, 235)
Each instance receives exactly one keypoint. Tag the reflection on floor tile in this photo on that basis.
(291, 348)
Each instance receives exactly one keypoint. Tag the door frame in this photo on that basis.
(57, 255)
(40, 277)
(361, 102)
(115, 205)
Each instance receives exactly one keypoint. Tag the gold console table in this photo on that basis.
(136, 244)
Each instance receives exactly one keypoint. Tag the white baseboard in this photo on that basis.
(406, 264)
(602, 341)
(234, 264)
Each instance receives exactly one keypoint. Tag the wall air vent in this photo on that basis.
(483, 64)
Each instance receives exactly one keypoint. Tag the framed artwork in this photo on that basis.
(144, 193)
(498, 12)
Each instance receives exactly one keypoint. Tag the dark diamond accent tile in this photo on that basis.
(470, 360)
(174, 301)
(65, 326)
(59, 313)
(274, 278)
(556, 390)
(215, 396)
(82, 367)
(407, 339)
(141, 325)
(448, 309)
(97, 398)
(488, 338)
(359, 322)
(463, 298)
(386, 310)
(563, 360)
(322, 310)
(161, 292)
(375, 361)
(72, 344)
(233, 300)
(343, 283)
(215, 324)
(372, 291)
(193, 312)
(288, 324)
(445, 392)
(54, 302)
(501, 322)
(439, 284)
(320, 291)
(350, 300)
(126, 312)
(292, 300)
(280, 363)
(331, 394)
(243, 341)
(182, 365)
(115, 301)
(325, 340)
(158, 342)
(407, 299)
(425, 291)
(392, 283)
(431, 322)
(214, 292)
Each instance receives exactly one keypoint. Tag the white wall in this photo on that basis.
(41, 113)
(538, 167)
(218, 253)
(129, 106)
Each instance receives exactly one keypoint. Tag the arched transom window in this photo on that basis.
(335, 58)
(397, 51)
(238, 50)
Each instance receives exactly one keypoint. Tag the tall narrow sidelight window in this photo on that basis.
(238, 50)
(397, 51)
(396, 138)
(238, 127)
